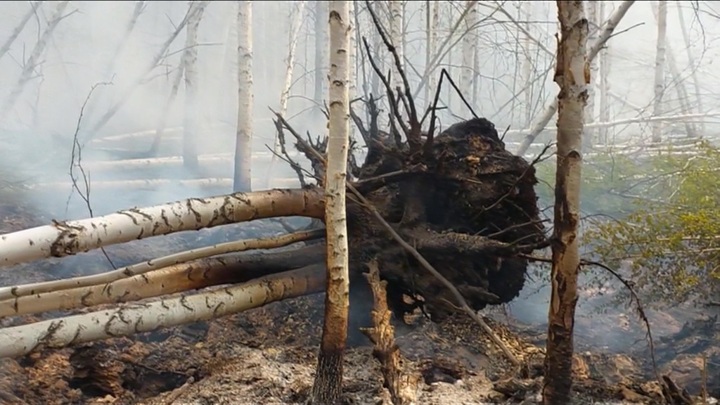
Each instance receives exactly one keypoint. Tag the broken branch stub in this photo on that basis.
(72, 237)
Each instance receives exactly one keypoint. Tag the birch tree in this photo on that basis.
(242, 173)
(594, 19)
(572, 75)
(432, 11)
(321, 51)
(327, 386)
(397, 22)
(468, 48)
(64, 238)
(191, 118)
(659, 84)
(296, 19)
(691, 62)
(604, 57)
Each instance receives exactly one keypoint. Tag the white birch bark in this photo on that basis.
(191, 117)
(604, 57)
(432, 11)
(572, 76)
(296, 23)
(137, 318)
(550, 111)
(659, 83)
(327, 385)
(18, 29)
(691, 63)
(677, 79)
(106, 280)
(64, 238)
(321, 52)
(242, 173)
(32, 61)
(526, 9)
(352, 66)
(397, 21)
(595, 19)
(469, 43)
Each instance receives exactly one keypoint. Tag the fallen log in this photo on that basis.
(174, 273)
(131, 319)
(157, 263)
(64, 238)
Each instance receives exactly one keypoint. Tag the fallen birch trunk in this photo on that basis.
(138, 318)
(35, 289)
(72, 237)
(177, 278)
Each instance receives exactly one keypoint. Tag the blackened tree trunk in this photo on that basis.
(572, 75)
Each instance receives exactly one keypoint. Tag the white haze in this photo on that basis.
(36, 135)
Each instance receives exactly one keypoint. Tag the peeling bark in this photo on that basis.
(64, 238)
(572, 76)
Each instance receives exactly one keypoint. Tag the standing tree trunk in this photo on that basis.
(659, 70)
(608, 29)
(678, 82)
(468, 49)
(242, 173)
(321, 50)
(594, 20)
(604, 84)
(431, 19)
(691, 63)
(396, 37)
(527, 60)
(296, 20)
(572, 75)
(328, 378)
(191, 118)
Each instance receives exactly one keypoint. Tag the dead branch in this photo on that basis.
(382, 335)
(76, 162)
(281, 143)
(138, 318)
(107, 278)
(413, 136)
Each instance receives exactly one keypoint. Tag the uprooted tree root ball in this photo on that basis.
(469, 208)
